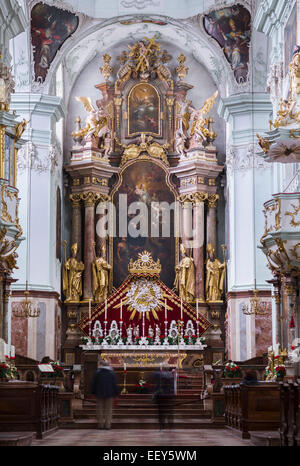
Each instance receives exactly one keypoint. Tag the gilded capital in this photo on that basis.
(212, 200)
(199, 197)
(90, 198)
(75, 199)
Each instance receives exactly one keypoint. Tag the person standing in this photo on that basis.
(105, 388)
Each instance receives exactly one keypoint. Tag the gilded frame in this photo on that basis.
(159, 112)
(176, 216)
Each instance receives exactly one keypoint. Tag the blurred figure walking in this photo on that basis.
(164, 397)
(105, 388)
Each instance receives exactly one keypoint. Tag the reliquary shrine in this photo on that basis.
(141, 272)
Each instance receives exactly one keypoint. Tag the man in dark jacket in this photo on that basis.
(105, 389)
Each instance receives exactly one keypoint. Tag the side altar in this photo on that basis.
(141, 275)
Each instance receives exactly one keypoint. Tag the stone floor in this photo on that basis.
(135, 437)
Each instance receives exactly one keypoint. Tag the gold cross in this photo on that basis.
(142, 58)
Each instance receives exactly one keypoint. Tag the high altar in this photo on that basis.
(142, 282)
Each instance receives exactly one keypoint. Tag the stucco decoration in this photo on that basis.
(32, 157)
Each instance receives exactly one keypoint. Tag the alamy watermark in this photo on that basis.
(147, 219)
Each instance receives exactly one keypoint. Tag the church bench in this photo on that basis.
(252, 408)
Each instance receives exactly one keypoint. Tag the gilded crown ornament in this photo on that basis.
(144, 265)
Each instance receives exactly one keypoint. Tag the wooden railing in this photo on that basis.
(290, 414)
(252, 408)
(48, 401)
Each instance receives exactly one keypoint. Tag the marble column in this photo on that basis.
(6, 294)
(287, 310)
(76, 222)
(89, 199)
(101, 237)
(186, 221)
(211, 225)
(198, 250)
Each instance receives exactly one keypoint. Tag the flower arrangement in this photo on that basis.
(4, 371)
(142, 387)
(232, 370)
(58, 370)
(8, 369)
(280, 371)
(150, 340)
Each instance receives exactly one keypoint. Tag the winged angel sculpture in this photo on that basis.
(200, 126)
(96, 122)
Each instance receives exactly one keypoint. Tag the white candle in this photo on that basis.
(90, 309)
(121, 308)
(197, 308)
(165, 309)
(105, 315)
(181, 309)
(160, 366)
(9, 329)
(124, 366)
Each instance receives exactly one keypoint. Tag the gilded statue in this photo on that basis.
(289, 109)
(199, 131)
(100, 270)
(215, 274)
(72, 276)
(270, 369)
(96, 123)
(185, 277)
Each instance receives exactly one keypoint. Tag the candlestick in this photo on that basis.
(165, 309)
(197, 308)
(121, 309)
(105, 314)
(181, 309)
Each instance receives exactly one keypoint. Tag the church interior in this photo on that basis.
(150, 218)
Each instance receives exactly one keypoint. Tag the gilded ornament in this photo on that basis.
(212, 200)
(96, 123)
(75, 199)
(264, 143)
(106, 69)
(293, 222)
(181, 69)
(144, 265)
(20, 128)
(153, 149)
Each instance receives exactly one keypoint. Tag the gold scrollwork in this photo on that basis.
(294, 251)
(294, 223)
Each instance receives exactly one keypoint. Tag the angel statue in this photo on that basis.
(101, 270)
(199, 132)
(96, 123)
(185, 277)
(72, 271)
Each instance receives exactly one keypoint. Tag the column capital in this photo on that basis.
(90, 198)
(193, 198)
(75, 199)
(212, 200)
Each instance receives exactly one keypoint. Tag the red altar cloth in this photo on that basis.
(113, 312)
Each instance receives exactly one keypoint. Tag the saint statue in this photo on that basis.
(100, 270)
(215, 273)
(185, 277)
(72, 280)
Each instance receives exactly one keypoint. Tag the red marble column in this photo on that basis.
(211, 225)
(89, 199)
(76, 222)
(198, 250)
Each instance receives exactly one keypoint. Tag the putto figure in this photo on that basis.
(199, 131)
(72, 276)
(185, 277)
(215, 273)
(101, 270)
